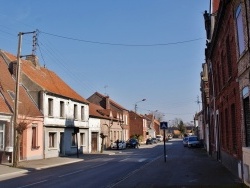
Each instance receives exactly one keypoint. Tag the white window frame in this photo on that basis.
(2, 131)
(240, 29)
(54, 140)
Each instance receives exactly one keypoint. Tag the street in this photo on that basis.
(143, 167)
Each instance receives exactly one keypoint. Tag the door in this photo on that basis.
(94, 136)
(61, 144)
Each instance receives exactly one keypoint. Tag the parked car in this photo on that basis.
(170, 137)
(154, 140)
(185, 141)
(159, 138)
(121, 145)
(193, 141)
(132, 143)
(149, 141)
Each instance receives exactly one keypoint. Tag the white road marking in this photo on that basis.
(70, 173)
(33, 184)
(134, 160)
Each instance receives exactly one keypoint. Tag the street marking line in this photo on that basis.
(134, 159)
(33, 184)
(98, 165)
(70, 173)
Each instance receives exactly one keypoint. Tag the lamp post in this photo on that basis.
(138, 102)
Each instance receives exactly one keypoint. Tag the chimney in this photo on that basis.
(215, 6)
(34, 60)
(107, 102)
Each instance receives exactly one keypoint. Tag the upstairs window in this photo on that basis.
(240, 30)
(75, 111)
(82, 113)
(50, 107)
(62, 109)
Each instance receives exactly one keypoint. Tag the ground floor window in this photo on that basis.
(2, 125)
(82, 139)
(52, 139)
(34, 137)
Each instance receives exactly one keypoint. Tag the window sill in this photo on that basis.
(52, 149)
(35, 148)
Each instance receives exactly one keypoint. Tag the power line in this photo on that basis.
(121, 44)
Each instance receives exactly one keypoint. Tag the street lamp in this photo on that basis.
(138, 102)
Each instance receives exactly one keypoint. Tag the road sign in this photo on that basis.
(164, 125)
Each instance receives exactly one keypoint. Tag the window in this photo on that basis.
(61, 109)
(82, 113)
(82, 139)
(227, 129)
(52, 140)
(229, 62)
(34, 137)
(1, 135)
(233, 121)
(75, 111)
(240, 31)
(73, 139)
(50, 107)
(247, 120)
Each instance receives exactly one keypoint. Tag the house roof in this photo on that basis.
(110, 100)
(47, 79)
(7, 95)
(97, 111)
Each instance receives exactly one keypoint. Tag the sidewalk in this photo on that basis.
(25, 166)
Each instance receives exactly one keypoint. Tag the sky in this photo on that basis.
(129, 50)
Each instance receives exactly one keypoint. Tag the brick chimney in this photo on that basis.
(34, 60)
(107, 102)
(215, 6)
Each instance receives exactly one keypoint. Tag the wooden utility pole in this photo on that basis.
(15, 143)
(15, 154)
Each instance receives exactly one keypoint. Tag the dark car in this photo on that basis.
(149, 141)
(185, 141)
(132, 143)
(193, 141)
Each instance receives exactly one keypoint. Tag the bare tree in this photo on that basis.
(20, 127)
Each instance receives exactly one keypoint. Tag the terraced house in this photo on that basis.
(225, 85)
(31, 119)
(65, 112)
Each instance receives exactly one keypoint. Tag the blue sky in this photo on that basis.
(130, 50)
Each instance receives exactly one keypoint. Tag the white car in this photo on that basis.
(121, 145)
(159, 138)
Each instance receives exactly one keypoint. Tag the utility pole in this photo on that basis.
(15, 154)
(15, 144)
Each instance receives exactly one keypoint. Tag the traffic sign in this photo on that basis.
(164, 125)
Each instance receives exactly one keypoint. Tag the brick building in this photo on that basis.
(222, 102)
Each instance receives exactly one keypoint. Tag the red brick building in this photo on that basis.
(138, 125)
(223, 106)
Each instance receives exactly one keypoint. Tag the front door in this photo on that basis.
(94, 136)
(61, 144)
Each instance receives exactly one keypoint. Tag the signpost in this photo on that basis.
(164, 126)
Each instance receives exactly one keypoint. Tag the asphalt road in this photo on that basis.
(94, 172)
(143, 167)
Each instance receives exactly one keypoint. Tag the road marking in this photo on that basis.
(134, 160)
(70, 173)
(33, 184)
